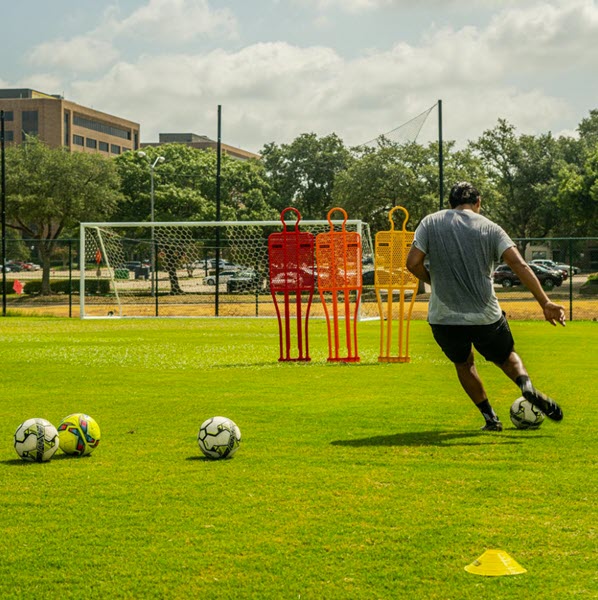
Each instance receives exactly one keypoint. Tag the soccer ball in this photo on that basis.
(219, 437)
(36, 440)
(525, 415)
(79, 434)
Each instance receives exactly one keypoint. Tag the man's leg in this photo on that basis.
(470, 380)
(472, 384)
(513, 367)
(514, 370)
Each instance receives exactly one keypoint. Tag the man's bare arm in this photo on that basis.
(415, 264)
(553, 313)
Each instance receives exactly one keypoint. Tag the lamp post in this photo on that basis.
(159, 159)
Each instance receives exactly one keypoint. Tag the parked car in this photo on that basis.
(368, 277)
(14, 266)
(223, 264)
(551, 264)
(133, 264)
(29, 266)
(549, 279)
(245, 281)
(223, 276)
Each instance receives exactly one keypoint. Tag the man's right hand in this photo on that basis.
(554, 313)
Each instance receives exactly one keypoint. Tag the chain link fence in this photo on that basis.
(576, 287)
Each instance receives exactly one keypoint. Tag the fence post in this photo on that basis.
(70, 278)
(570, 279)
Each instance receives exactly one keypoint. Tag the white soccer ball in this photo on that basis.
(219, 437)
(524, 415)
(36, 440)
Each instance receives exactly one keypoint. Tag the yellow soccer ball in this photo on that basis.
(79, 434)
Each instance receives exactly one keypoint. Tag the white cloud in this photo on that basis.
(546, 35)
(276, 91)
(79, 54)
(350, 6)
(159, 23)
(362, 6)
(177, 21)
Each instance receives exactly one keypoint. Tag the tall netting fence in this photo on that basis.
(129, 272)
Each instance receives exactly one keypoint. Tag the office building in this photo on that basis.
(59, 122)
(201, 142)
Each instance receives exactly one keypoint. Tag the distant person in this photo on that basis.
(461, 247)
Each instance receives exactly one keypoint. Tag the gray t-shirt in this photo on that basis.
(462, 247)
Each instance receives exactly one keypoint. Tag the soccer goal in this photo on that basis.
(170, 269)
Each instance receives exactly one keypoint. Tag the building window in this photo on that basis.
(78, 140)
(91, 143)
(9, 135)
(67, 127)
(104, 146)
(30, 123)
(114, 149)
(9, 115)
(80, 121)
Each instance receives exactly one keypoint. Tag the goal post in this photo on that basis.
(168, 269)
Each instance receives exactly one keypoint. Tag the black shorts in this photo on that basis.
(494, 342)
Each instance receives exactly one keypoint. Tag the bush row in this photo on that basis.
(61, 286)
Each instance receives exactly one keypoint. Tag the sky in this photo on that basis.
(281, 68)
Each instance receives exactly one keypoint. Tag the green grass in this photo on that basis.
(352, 481)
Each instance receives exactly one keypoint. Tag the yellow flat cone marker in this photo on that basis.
(494, 563)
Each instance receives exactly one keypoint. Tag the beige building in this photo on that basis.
(58, 122)
(201, 142)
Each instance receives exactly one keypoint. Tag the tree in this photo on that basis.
(524, 171)
(588, 130)
(402, 174)
(577, 197)
(185, 190)
(185, 186)
(50, 191)
(303, 172)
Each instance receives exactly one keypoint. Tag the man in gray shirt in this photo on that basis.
(462, 246)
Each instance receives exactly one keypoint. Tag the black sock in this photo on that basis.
(524, 383)
(487, 411)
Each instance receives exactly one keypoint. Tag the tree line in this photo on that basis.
(533, 185)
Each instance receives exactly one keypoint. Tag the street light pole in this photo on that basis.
(159, 159)
(3, 209)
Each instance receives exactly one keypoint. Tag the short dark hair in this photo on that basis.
(463, 193)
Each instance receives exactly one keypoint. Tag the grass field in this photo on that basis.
(353, 481)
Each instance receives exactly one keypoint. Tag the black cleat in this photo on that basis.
(547, 405)
(492, 426)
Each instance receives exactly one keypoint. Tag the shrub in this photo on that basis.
(591, 285)
(61, 286)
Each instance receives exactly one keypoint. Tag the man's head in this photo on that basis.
(463, 193)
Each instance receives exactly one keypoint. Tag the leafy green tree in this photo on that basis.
(588, 130)
(405, 175)
(185, 190)
(577, 197)
(185, 186)
(50, 191)
(303, 172)
(524, 171)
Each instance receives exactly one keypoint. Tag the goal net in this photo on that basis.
(169, 269)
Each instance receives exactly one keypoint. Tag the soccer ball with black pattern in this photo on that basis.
(79, 434)
(36, 440)
(219, 437)
(525, 415)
